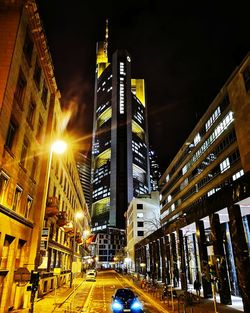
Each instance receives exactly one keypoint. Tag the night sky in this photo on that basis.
(185, 52)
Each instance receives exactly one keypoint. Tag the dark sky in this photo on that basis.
(185, 51)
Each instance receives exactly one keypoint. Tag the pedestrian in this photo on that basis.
(197, 287)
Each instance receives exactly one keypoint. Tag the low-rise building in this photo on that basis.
(142, 219)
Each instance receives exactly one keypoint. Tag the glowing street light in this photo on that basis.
(58, 147)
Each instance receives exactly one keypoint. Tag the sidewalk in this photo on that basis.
(204, 306)
(48, 303)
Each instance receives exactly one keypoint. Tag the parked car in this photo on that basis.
(125, 300)
(90, 276)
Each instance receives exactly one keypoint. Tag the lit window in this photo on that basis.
(197, 139)
(3, 185)
(225, 165)
(17, 197)
(167, 178)
(210, 192)
(184, 169)
(140, 215)
(28, 206)
(238, 174)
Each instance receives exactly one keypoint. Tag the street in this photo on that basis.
(90, 297)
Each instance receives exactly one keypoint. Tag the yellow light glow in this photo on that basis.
(59, 146)
(78, 215)
(86, 233)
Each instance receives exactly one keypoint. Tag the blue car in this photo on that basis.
(125, 300)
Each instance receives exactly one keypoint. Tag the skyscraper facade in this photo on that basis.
(83, 163)
(120, 163)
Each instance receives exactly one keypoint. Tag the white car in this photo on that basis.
(90, 276)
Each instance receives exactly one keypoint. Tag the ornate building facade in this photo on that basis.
(36, 232)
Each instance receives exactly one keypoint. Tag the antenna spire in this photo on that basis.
(106, 38)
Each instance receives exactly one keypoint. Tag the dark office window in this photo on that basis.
(139, 224)
(246, 75)
(11, 134)
(140, 233)
(20, 89)
(44, 94)
(139, 206)
(37, 74)
(24, 151)
(31, 113)
(28, 47)
(39, 129)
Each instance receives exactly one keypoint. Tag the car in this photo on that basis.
(90, 276)
(92, 270)
(124, 300)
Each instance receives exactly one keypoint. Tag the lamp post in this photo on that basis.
(58, 147)
(77, 215)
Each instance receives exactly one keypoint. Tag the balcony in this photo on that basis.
(62, 218)
(68, 227)
(52, 207)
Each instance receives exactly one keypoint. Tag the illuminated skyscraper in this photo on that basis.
(120, 162)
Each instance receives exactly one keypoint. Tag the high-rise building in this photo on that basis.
(83, 163)
(155, 174)
(120, 163)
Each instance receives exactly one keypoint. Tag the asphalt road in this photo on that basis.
(96, 297)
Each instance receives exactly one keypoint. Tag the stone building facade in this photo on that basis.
(30, 119)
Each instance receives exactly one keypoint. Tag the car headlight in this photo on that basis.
(136, 305)
(117, 305)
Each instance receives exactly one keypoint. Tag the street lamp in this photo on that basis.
(58, 147)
